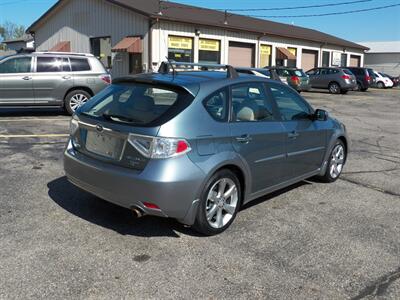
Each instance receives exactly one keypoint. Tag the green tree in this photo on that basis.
(10, 30)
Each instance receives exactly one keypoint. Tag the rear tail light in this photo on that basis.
(158, 147)
(106, 78)
(346, 77)
(150, 205)
(295, 79)
(367, 78)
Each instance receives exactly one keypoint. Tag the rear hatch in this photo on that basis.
(121, 122)
(299, 77)
(351, 75)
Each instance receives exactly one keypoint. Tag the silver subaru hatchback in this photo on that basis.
(197, 145)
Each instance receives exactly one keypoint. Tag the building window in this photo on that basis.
(292, 62)
(343, 60)
(265, 56)
(180, 49)
(101, 48)
(135, 63)
(209, 51)
(325, 59)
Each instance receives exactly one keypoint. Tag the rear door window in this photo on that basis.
(250, 103)
(52, 64)
(138, 104)
(16, 65)
(79, 64)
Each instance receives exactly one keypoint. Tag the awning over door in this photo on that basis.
(129, 44)
(283, 53)
(64, 46)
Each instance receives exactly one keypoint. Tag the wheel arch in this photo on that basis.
(76, 88)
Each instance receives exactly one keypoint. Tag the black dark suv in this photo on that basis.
(365, 77)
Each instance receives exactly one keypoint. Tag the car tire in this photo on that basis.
(343, 92)
(334, 88)
(337, 159)
(219, 203)
(75, 99)
(380, 85)
(364, 89)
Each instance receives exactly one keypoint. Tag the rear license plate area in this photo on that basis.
(103, 144)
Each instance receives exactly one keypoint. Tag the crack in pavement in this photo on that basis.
(379, 287)
(366, 185)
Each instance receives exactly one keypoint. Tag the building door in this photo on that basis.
(343, 60)
(309, 59)
(241, 54)
(325, 59)
(355, 60)
(135, 63)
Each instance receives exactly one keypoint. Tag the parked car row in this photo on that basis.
(335, 79)
(68, 80)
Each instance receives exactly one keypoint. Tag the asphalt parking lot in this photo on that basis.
(309, 241)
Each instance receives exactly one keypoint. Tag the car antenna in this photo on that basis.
(170, 62)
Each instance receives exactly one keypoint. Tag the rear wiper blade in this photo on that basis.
(125, 119)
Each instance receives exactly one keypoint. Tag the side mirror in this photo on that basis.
(320, 115)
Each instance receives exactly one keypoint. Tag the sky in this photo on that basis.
(377, 25)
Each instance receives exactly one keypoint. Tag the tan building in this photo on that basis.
(131, 36)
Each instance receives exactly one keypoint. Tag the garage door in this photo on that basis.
(355, 61)
(309, 59)
(241, 55)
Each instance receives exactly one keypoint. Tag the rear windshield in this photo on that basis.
(264, 72)
(298, 73)
(347, 71)
(138, 104)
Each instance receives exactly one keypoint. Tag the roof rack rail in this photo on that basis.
(167, 65)
(64, 53)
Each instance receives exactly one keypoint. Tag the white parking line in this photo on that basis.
(7, 136)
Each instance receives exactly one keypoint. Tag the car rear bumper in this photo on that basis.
(172, 184)
(349, 86)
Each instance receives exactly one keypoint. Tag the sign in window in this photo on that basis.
(209, 51)
(265, 55)
(180, 49)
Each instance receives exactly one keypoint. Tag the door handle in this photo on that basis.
(27, 78)
(293, 135)
(245, 139)
(66, 77)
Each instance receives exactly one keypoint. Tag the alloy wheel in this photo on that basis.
(337, 161)
(334, 88)
(77, 100)
(222, 201)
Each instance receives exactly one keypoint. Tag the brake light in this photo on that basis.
(150, 205)
(367, 78)
(158, 147)
(295, 79)
(106, 78)
(346, 77)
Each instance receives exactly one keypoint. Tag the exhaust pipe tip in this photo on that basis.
(138, 213)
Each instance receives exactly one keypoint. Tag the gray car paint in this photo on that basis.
(49, 88)
(272, 160)
(322, 79)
